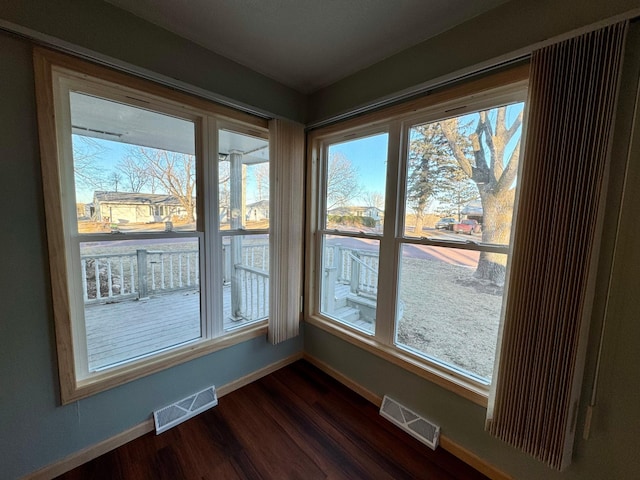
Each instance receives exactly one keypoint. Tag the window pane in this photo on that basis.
(140, 297)
(245, 279)
(446, 312)
(355, 184)
(350, 280)
(134, 169)
(461, 175)
(243, 181)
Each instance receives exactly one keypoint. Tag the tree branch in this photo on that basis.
(450, 130)
(511, 170)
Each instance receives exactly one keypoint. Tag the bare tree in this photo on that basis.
(88, 171)
(373, 199)
(135, 175)
(261, 173)
(224, 187)
(174, 172)
(115, 179)
(493, 168)
(342, 181)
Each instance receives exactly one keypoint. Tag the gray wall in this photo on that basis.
(510, 27)
(34, 429)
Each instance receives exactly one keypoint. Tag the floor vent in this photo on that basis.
(412, 423)
(172, 415)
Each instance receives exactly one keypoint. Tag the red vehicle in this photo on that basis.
(467, 226)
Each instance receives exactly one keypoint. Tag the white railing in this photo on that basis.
(358, 268)
(116, 277)
(253, 256)
(254, 300)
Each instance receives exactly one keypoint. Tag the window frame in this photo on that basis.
(236, 128)
(49, 66)
(323, 213)
(486, 92)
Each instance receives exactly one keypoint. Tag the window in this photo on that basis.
(411, 252)
(353, 214)
(243, 203)
(158, 218)
(451, 280)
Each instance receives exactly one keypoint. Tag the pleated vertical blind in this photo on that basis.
(572, 94)
(286, 141)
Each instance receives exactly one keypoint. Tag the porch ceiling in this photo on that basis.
(99, 118)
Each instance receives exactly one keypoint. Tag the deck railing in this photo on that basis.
(254, 284)
(118, 277)
(357, 268)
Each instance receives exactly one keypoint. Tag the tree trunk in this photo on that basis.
(497, 209)
(419, 224)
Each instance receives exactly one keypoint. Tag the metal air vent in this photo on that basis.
(178, 412)
(418, 427)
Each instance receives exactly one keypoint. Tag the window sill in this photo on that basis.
(449, 380)
(117, 376)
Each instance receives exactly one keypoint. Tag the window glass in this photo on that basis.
(460, 188)
(461, 176)
(245, 279)
(243, 176)
(350, 280)
(134, 169)
(140, 297)
(445, 312)
(243, 171)
(355, 173)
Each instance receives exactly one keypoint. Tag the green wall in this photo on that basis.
(34, 429)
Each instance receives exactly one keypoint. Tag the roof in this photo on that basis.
(135, 198)
(472, 208)
(259, 204)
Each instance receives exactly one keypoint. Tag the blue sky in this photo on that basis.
(369, 157)
(369, 154)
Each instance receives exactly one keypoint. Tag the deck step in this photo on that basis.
(360, 300)
(347, 314)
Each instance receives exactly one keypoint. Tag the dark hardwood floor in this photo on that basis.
(297, 423)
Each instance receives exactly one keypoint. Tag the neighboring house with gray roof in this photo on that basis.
(126, 207)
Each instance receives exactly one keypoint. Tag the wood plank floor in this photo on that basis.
(118, 332)
(297, 423)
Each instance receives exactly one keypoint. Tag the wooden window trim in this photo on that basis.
(395, 119)
(72, 388)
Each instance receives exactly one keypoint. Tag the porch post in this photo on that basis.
(237, 222)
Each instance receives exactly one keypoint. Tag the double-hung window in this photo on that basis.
(411, 229)
(157, 211)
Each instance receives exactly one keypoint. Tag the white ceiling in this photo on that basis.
(110, 120)
(307, 44)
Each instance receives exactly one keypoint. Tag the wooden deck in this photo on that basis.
(118, 332)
